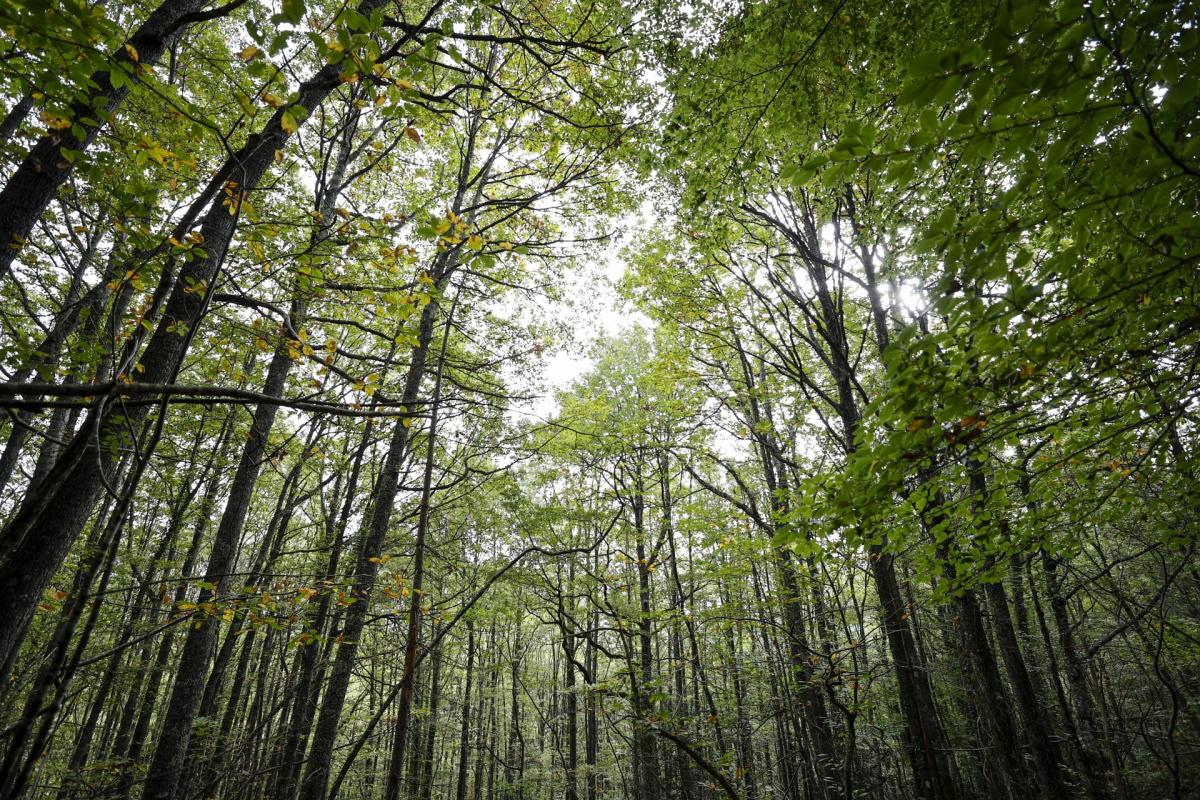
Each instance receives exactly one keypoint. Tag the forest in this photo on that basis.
(599, 399)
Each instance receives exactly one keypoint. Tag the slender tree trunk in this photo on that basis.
(645, 742)
(1046, 755)
(481, 721)
(48, 524)
(745, 741)
(412, 641)
(366, 566)
(513, 759)
(129, 749)
(572, 707)
(168, 762)
(428, 753)
(44, 362)
(464, 736)
(307, 683)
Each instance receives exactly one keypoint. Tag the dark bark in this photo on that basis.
(25, 745)
(307, 683)
(369, 547)
(464, 735)
(1030, 704)
(571, 711)
(200, 758)
(417, 592)
(990, 717)
(648, 781)
(15, 116)
(425, 790)
(48, 524)
(819, 752)
(483, 731)
(513, 754)
(167, 764)
(745, 741)
(127, 747)
(31, 188)
(142, 601)
(77, 305)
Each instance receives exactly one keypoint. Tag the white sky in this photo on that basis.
(592, 309)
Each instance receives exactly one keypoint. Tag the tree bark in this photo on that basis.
(48, 524)
(31, 188)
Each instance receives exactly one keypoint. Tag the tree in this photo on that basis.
(337, 463)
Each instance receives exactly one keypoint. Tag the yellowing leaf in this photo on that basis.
(54, 122)
(288, 123)
(250, 53)
(132, 52)
(475, 242)
(412, 133)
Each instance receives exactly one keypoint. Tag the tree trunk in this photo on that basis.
(366, 565)
(425, 791)
(32, 187)
(464, 736)
(48, 524)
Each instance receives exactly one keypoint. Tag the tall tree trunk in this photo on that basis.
(925, 739)
(483, 731)
(307, 684)
(514, 752)
(683, 763)
(1030, 704)
(129, 748)
(572, 703)
(45, 360)
(49, 523)
(416, 596)
(645, 742)
(370, 545)
(464, 735)
(144, 596)
(591, 747)
(428, 752)
(745, 741)
(168, 762)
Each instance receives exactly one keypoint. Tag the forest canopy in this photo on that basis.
(598, 400)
